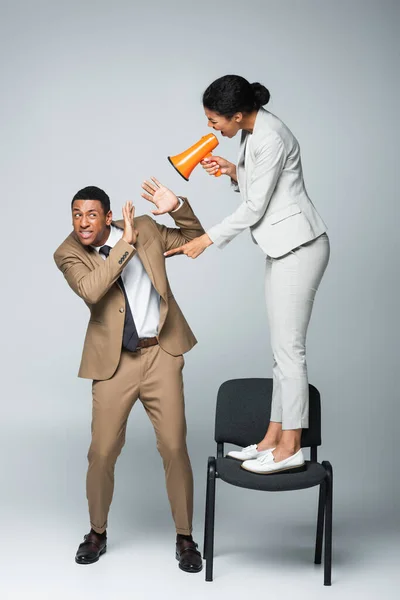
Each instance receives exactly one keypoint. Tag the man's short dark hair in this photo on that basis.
(93, 193)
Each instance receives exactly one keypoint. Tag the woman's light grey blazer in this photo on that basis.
(275, 204)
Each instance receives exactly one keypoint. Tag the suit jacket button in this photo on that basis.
(121, 310)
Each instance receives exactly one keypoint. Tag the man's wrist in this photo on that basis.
(128, 241)
(178, 205)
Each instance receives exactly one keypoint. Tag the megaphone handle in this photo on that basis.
(218, 173)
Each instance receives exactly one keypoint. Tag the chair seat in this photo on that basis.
(229, 470)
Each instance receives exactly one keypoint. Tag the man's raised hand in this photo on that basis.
(164, 199)
(130, 233)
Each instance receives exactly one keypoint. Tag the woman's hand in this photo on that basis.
(162, 197)
(130, 233)
(192, 249)
(213, 163)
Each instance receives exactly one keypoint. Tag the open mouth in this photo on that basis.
(86, 234)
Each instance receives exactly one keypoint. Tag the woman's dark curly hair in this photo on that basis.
(231, 94)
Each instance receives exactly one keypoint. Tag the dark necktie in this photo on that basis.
(130, 336)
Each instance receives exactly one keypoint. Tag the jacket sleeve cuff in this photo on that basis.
(217, 239)
(123, 251)
(181, 201)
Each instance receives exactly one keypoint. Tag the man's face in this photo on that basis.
(90, 223)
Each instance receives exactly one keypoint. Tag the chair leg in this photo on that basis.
(206, 532)
(209, 550)
(320, 523)
(328, 524)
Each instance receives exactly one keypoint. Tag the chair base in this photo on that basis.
(324, 517)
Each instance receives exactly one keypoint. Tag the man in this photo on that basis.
(133, 347)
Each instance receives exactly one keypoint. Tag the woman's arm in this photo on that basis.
(270, 158)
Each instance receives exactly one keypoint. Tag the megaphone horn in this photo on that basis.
(185, 162)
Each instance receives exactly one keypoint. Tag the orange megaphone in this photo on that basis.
(185, 162)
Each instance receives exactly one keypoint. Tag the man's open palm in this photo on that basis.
(161, 196)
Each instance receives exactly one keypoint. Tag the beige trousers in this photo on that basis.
(155, 377)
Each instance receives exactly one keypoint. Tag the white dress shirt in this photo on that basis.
(144, 300)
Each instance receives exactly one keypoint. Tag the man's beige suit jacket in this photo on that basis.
(95, 281)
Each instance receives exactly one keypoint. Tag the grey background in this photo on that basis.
(99, 93)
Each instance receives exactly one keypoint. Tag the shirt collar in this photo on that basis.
(114, 236)
(259, 118)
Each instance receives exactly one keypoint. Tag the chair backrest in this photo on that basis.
(243, 413)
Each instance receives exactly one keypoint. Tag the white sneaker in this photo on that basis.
(248, 453)
(266, 464)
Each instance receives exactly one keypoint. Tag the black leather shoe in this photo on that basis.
(188, 556)
(93, 546)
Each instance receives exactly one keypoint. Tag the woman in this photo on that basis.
(287, 227)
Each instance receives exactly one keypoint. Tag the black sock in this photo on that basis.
(102, 535)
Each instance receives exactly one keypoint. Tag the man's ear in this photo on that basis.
(109, 218)
(238, 117)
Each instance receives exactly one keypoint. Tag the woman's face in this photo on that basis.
(227, 126)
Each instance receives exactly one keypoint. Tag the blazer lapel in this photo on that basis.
(146, 263)
(95, 256)
(242, 148)
(244, 141)
(241, 164)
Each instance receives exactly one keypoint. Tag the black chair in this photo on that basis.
(242, 417)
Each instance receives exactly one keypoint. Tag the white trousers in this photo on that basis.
(291, 282)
